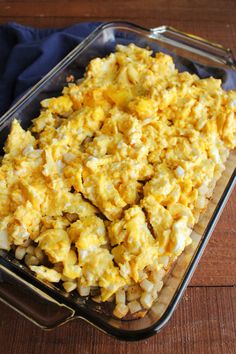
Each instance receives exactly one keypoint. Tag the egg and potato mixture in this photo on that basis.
(102, 192)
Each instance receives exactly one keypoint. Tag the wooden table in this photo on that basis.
(205, 321)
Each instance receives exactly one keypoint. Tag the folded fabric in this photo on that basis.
(27, 54)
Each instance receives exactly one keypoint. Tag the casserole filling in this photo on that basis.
(102, 192)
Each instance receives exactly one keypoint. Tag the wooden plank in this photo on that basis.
(205, 322)
(108, 5)
(219, 4)
(217, 266)
(126, 9)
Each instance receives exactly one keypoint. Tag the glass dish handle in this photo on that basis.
(30, 302)
(194, 44)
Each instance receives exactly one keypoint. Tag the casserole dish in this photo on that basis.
(47, 305)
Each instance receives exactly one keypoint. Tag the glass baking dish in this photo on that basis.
(47, 305)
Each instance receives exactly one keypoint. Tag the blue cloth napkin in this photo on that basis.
(27, 54)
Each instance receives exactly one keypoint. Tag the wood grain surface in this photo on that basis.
(205, 321)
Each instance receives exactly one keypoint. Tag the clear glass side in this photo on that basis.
(196, 46)
(30, 302)
(99, 44)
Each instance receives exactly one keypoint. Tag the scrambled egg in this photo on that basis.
(114, 173)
